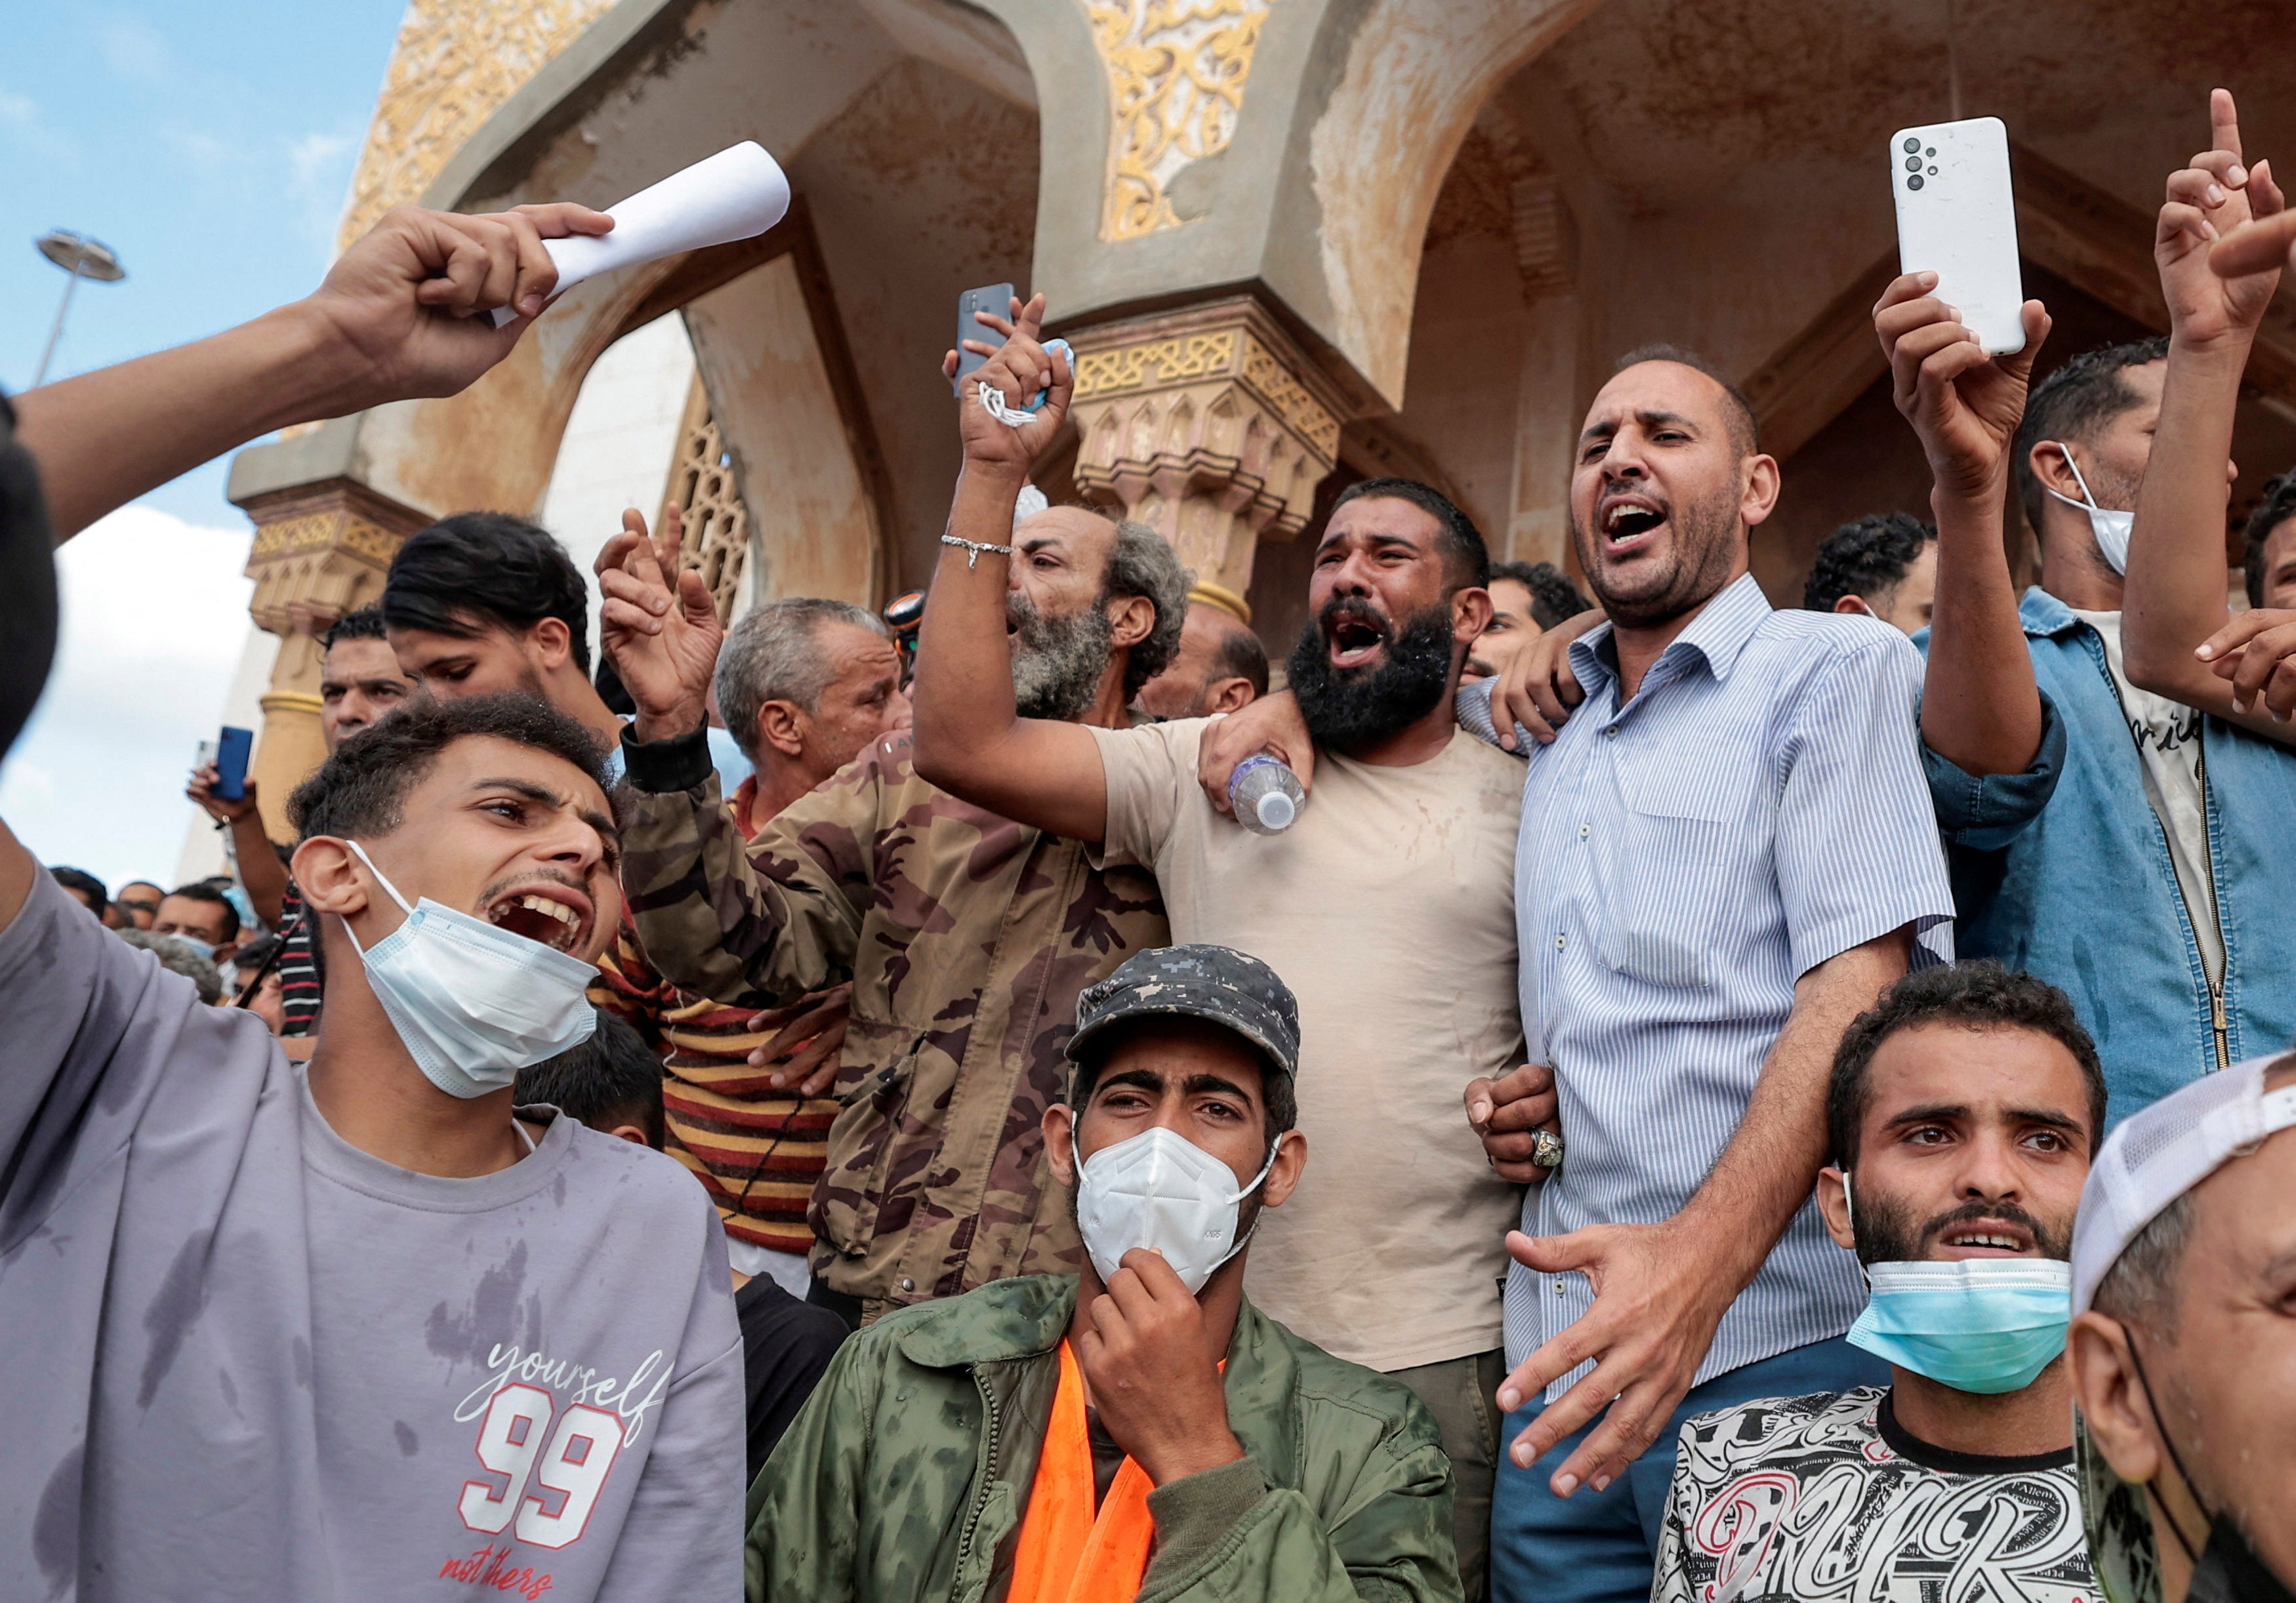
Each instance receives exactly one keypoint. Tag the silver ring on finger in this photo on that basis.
(1547, 1148)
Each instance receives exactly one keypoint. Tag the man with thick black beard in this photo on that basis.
(1391, 899)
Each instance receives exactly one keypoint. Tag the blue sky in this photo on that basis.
(212, 148)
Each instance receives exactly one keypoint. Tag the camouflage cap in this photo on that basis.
(1218, 982)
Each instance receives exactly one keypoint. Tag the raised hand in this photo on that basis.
(1965, 403)
(1017, 370)
(202, 790)
(1157, 1389)
(2219, 196)
(658, 625)
(405, 300)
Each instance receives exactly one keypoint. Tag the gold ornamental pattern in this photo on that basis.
(1157, 361)
(1215, 353)
(455, 62)
(1176, 72)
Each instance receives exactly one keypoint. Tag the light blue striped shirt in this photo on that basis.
(1757, 808)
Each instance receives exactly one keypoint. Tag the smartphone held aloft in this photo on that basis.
(1957, 218)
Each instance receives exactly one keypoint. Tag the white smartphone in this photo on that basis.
(1957, 218)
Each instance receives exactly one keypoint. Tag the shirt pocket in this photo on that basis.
(1675, 879)
(871, 1090)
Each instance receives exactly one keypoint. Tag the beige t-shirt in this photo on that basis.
(1388, 909)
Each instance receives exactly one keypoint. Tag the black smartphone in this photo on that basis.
(990, 298)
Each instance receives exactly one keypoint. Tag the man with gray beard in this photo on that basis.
(1389, 901)
(967, 936)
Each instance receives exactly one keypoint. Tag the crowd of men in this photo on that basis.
(1704, 1101)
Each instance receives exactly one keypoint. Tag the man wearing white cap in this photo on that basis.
(1962, 1111)
(2183, 1346)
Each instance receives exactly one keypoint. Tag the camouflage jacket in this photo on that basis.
(967, 939)
(907, 1474)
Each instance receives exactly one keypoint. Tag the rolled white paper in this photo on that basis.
(736, 195)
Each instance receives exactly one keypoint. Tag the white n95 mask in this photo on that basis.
(1160, 1190)
(2112, 529)
(473, 1002)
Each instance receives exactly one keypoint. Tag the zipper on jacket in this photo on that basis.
(987, 1472)
(2215, 917)
(2215, 983)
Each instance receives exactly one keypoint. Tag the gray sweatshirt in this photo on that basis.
(249, 1360)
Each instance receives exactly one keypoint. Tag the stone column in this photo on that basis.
(1207, 424)
(320, 550)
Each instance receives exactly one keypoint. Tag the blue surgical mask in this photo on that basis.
(1982, 1325)
(474, 1003)
(206, 949)
(2110, 528)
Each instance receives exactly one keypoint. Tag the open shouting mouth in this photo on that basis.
(1630, 523)
(548, 910)
(1354, 636)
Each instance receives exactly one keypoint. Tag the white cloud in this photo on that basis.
(319, 168)
(316, 158)
(154, 621)
(21, 115)
(207, 154)
(134, 50)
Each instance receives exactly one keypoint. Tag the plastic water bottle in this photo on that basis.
(1266, 794)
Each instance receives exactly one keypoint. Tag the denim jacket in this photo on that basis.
(2064, 871)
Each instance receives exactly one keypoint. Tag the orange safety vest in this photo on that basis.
(1068, 1554)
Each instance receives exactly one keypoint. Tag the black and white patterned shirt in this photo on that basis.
(1825, 1499)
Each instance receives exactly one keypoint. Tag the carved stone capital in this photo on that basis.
(320, 550)
(327, 545)
(1209, 424)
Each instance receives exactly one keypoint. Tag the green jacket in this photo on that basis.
(906, 1477)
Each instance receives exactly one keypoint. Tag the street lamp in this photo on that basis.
(82, 258)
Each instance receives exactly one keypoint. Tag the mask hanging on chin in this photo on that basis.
(1980, 1325)
(1160, 1190)
(2112, 529)
(475, 1003)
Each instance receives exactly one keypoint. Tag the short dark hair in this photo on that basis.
(202, 890)
(1553, 596)
(476, 571)
(365, 622)
(1865, 558)
(1278, 1096)
(1240, 655)
(1142, 562)
(358, 791)
(2277, 508)
(1469, 567)
(612, 1078)
(86, 884)
(2073, 403)
(1745, 429)
(1981, 993)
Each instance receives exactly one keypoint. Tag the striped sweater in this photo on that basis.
(757, 1150)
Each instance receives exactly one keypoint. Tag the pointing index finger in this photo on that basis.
(2224, 128)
